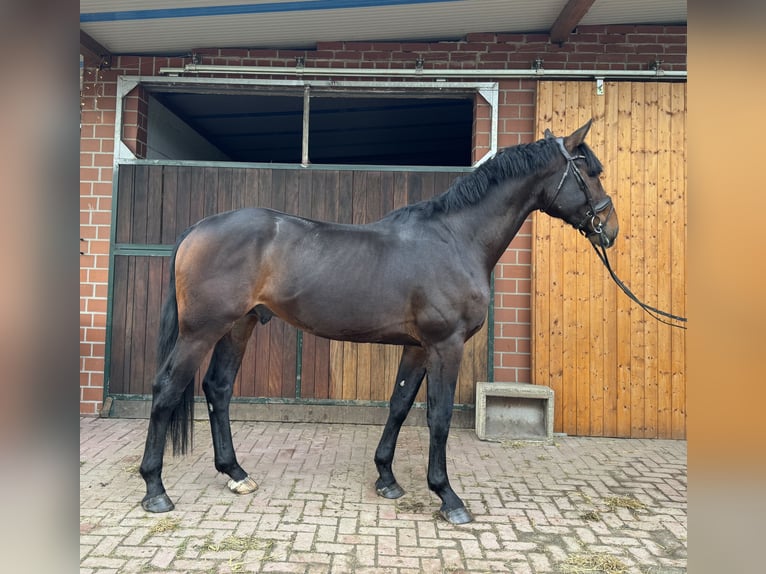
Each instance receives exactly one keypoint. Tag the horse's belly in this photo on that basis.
(343, 319)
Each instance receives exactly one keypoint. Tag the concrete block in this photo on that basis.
(514, 411)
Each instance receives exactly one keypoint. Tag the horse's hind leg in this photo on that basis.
(409, 377)
(174, 378)
(218, 386)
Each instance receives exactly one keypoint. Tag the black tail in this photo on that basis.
(182, 417)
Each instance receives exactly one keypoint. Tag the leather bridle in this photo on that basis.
(593, 217)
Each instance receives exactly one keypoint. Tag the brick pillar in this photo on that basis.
(135, 117)
(513, 285)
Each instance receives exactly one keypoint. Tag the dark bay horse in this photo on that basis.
(419, 277)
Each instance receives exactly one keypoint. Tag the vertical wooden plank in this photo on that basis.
(169, 198)
(276, 358)
(465, 373)
(414, 185)
(345, 197)
(326, 196)
(400, 189)
(244, 380)
(611, 322)
(238, 188)
(289, 352)
(305, 194)
(556, 290)
(570, 354)
(262, 357)
(130, 277)
(264, 196)
(124, 205)
(556, 266)
(373, 210)
(637, 215)
(293, 192)
(343, 355)
(210, 197)
(244, 385)
(140, 204)
(154, 193)
(183, 200)
(136, 384)
(119, 326)
(583, 341)
(223, 190)
(251, 189)
(350, 371)
(251, 381)
(293, 180)
(678, 253)
(473, 367)
(664, 259)
(377, 353)
(196, 195)
(387, 356)
(622, 259)
(650, 253)
(313, 208)
(335, 389)
(272, 194)
(153, 312)
(596, 278)
(363, 352)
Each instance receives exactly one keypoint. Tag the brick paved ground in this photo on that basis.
(618, 504)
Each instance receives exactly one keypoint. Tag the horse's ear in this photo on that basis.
(548, 134)
(578, 137)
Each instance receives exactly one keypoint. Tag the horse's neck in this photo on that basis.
(490, 225)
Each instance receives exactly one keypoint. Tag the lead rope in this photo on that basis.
(649, 309)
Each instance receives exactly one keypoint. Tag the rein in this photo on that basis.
(597, 229)
(654, 312)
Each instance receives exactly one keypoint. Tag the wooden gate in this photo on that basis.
(155, 202)
(615, 370)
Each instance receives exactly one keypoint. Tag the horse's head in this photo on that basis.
(574, 193)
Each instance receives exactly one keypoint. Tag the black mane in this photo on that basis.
(509, 163)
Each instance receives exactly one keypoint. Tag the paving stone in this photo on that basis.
(316, 510)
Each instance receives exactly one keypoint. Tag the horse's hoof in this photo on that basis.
(244, 486)
(391, 491)
(159, 503)
(457, 516)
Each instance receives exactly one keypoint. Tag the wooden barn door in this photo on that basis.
(615, 370)
(156, 202)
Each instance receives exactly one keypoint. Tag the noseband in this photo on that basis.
(594, 208)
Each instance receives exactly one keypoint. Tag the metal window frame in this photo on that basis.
(307, 88)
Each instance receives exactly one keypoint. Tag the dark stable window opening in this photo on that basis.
(368, 129)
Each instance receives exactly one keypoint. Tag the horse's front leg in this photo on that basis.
(409, 377)
(443, 368)
(218, 386)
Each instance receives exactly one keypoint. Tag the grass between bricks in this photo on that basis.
(581, 563)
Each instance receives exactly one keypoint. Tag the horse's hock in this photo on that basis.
(514, 411)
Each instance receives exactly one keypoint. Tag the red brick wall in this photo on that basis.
(591, 47)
